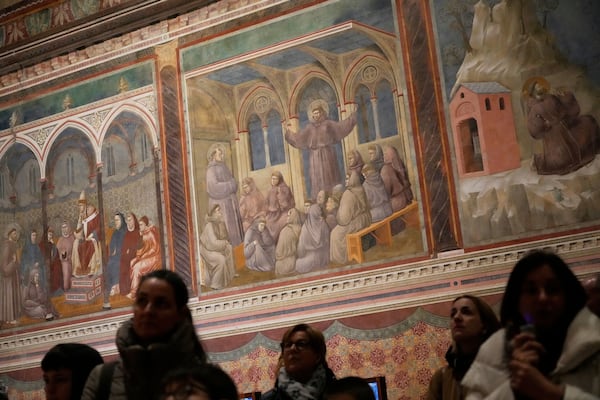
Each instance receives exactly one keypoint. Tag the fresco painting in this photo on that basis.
(294, 113)
(70, 185)
(302, 159)
(296, 149)
(529, 51)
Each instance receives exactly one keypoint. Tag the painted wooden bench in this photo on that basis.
(381, 230)
(239, 259)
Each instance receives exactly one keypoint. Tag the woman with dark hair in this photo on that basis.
(159, 338)
(304, 373)
(208, 382)
(549, 347)
(66, 367)
(472, 322)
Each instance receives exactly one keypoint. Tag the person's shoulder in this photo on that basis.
(491, 351)
(436, 383)
(497, 338)
(584, 330)
(439, 373)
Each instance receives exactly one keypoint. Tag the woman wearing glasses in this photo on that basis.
(304, 373)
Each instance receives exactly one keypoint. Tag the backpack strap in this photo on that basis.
(106, 374)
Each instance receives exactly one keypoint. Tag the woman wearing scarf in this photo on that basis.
(304, 373)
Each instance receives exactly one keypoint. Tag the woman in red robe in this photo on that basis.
(148, 258)
(131, 243)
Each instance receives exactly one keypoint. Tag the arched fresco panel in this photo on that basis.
(311, 78)
(129, 222)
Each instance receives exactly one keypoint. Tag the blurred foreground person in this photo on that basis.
(549, 347)
(158, 339)
(592, 289)
(66, 367)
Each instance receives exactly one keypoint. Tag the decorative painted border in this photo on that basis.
(336, 328)
(130, 43)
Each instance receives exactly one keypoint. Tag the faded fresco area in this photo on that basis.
(301, 158)
(524, 104)
(75, 235)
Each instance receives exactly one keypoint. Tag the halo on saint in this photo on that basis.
(319, 103)
(212, 149)
(13, 226)
(530, 84)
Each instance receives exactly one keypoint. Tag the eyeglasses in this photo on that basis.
(184, 391)
(300, 345)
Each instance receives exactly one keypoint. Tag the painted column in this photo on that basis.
(428, 125)
(177, 228)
